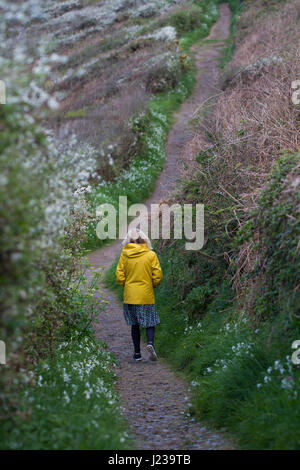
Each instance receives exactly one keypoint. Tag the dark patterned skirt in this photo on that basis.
(143, 315)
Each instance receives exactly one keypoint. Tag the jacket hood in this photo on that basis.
(134, 250)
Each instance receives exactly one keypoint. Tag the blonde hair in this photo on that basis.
(135, 235)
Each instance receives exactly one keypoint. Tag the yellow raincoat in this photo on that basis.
(139, 272)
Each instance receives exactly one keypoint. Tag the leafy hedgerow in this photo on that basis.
(44, 296)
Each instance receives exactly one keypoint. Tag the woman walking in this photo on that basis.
(139, 272)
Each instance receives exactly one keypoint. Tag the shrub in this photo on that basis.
(187, 19)
(273, 230)
(164, 74)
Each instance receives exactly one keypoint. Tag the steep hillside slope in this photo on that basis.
(114, 58)
(116, 54)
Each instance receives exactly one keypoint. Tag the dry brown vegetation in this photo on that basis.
(253, 121)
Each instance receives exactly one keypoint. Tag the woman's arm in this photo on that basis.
(157, 274)
(120, 271)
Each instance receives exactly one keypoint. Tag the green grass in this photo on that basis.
(73, 404)
(66, 397)
(236, 7)
(77, 114)
(226, 359)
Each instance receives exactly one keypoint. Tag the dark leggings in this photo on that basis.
(136, 336)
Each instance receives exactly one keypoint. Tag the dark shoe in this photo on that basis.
(152, 352)
(137, 357)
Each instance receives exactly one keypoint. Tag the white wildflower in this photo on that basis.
(66, 397)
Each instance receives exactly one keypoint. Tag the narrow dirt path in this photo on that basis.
(154, 398)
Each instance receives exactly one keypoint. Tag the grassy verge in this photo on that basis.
(67, 399)
(73, 405)
(236, 7)
(137, 182)
(239, 364)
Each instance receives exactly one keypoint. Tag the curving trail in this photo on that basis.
(154, 398)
